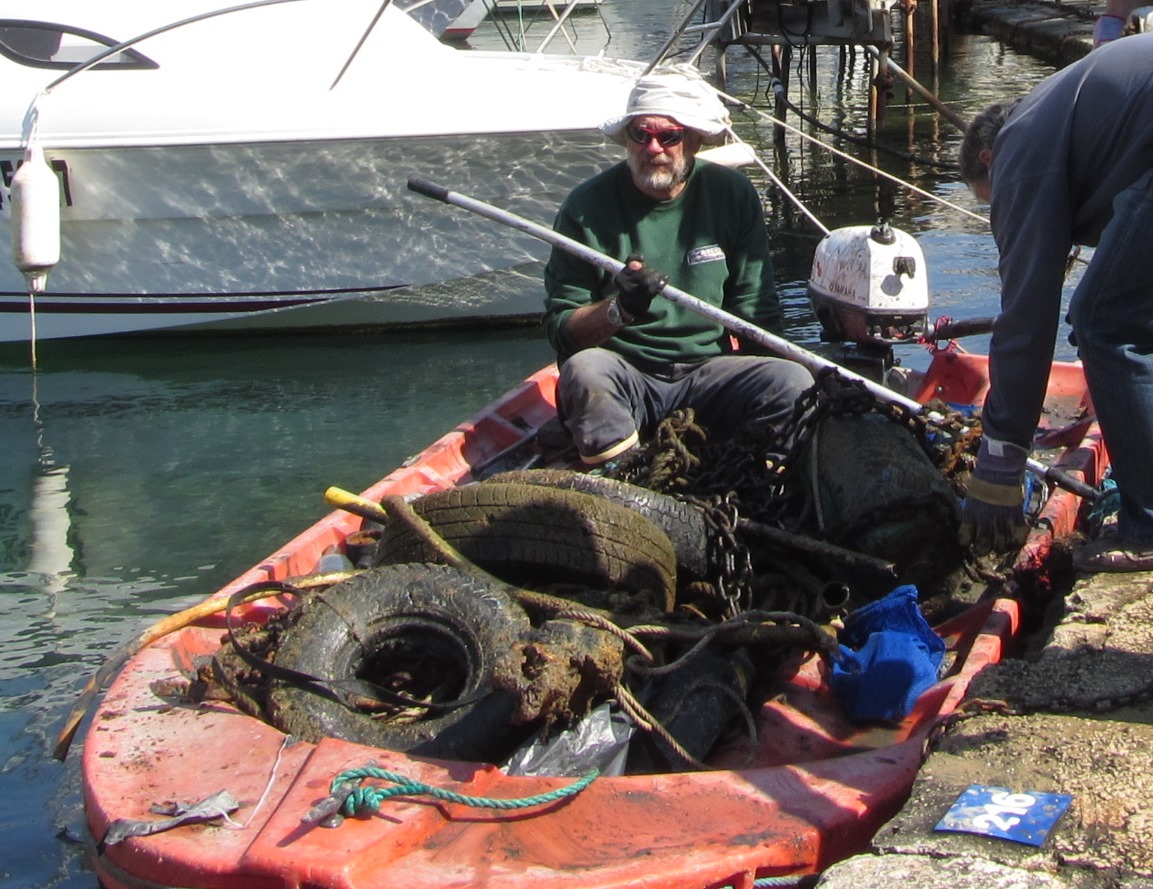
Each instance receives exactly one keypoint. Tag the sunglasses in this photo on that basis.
(666, 138)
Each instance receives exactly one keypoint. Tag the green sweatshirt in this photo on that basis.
(710, 240)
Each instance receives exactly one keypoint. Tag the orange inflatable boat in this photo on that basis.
(814, 789)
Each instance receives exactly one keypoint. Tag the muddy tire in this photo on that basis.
(455, 634)
(683, 522)
(536, 536)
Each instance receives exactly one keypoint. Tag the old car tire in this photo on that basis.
(683, 522)
(533, 535)
(433, 621)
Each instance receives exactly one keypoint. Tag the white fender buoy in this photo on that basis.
(35, 199)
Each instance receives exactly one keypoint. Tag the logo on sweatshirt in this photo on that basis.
(701, 255)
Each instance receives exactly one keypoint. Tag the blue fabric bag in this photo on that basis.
(889, 656)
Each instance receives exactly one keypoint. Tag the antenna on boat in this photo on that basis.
(360, 42)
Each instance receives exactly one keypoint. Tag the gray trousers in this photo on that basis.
(607, 403)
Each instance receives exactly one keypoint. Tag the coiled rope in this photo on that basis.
(367, 798)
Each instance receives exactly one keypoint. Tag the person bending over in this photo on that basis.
(1071, 163)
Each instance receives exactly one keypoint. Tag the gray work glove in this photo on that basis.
(992, 518)
(638, 287)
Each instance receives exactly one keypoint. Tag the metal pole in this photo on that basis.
(739, 326)
(887, 60)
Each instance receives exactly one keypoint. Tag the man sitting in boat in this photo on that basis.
(1071, 163)
(627, 357)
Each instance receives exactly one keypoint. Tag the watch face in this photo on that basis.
(615, 312)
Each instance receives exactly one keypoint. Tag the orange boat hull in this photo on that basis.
(819, 789)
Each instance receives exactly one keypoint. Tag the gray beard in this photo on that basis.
(659, 178)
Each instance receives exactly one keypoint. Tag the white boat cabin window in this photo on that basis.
(44, 45)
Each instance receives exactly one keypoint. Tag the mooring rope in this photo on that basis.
(844, 155)
(368, 797)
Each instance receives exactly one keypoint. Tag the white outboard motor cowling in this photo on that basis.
(869, 284)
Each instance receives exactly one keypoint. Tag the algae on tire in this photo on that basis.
(531, 535)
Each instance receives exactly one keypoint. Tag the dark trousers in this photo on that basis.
(607, 403)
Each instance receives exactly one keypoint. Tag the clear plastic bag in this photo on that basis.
(599, 741)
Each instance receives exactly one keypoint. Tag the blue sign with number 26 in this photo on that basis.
(998, 812)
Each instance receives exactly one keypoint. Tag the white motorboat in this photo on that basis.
(248, 170)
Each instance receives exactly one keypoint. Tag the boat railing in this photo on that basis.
(557, 13)
(716, 18)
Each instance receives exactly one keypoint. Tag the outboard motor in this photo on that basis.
(869, 289)
(869, 285)
(877, 491)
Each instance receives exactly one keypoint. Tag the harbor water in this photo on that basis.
(139, 475)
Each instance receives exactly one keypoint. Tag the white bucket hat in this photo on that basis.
(685, 98)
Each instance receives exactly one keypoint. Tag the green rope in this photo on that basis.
(367, 798)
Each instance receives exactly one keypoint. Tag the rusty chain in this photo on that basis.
(751, 474)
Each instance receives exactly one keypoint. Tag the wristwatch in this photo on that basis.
(615, 315)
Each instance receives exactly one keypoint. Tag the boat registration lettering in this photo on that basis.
(998, 812)
(8, 170)
(1003, 809)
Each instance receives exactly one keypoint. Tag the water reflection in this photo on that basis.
(254, 420)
